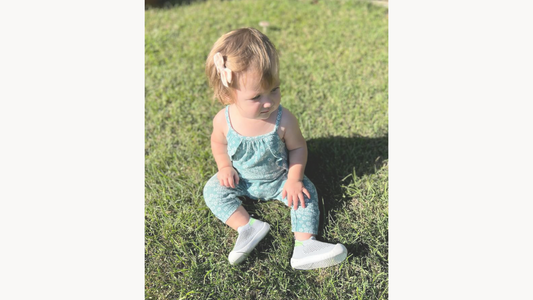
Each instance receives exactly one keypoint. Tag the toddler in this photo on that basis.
(259, 150)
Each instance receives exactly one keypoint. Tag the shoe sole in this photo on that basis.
(238, 257)
(326, 260)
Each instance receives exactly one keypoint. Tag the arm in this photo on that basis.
(294, 189)
(227, 176)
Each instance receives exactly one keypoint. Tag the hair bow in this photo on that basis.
(225, 73)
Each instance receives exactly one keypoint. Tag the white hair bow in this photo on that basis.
(225, 73)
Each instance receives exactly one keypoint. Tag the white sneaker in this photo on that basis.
(249, 236)
(313, 254)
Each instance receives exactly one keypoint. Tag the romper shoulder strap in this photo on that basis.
(278, 120)
(226, 112)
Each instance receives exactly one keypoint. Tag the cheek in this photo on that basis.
(254, 105)
(277, 98)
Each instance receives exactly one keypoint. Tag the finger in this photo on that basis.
(236, 178)
(231, 183)
(295, 201)
(226, 184)
(302, 199)
(307, 193)
(289, 201)
(283, 194)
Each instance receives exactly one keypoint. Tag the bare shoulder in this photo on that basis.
(288, 120)
(220, 118)
(219, 123)
(292, 136)
(288, 127)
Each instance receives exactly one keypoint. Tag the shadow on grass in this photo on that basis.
(332, 159)
(148, 4)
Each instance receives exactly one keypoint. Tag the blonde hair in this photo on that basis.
(243, 50)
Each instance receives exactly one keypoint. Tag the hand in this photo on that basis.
(228, 177)
(294, 190)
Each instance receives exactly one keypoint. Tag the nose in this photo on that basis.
(267, 103)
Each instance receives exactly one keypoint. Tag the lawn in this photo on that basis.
(334, 74)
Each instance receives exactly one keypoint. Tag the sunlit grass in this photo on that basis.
(334, 72)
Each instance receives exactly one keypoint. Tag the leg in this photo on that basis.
(239, 218)
(302, 236)
(226, 206)
(308, 252)
(305, 220)
(224, 202)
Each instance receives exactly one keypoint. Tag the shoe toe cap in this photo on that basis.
(236, 257)
(340, 249)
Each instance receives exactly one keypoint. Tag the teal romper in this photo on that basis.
(261, 162)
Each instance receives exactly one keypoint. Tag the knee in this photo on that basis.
(211, 190)
(310, 187)
(216, 194)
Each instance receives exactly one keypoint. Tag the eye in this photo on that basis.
(256, 97)
(275, 89)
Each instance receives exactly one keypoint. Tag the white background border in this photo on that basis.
(460, 144)
(72, 171)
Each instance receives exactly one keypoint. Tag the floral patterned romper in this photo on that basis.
(261, 162)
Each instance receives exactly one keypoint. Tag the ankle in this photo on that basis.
(302, 236)
(239, 218)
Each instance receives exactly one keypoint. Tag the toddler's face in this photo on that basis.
(252, 101)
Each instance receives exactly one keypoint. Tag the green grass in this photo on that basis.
(334, 72)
